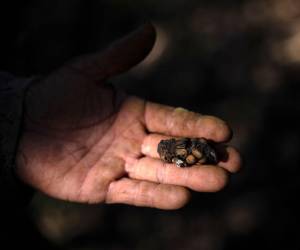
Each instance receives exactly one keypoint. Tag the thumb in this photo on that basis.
(119, 57)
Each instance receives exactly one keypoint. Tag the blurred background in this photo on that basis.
(238, 60)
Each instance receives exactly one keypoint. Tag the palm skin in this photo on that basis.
(85, 142)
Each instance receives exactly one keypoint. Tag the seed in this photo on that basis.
(181, 152)
(190, 159)
(187, 151)
(197, 153)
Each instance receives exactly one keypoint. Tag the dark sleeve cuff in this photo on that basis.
(14, 193)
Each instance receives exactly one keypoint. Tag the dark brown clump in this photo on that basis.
(187, 151)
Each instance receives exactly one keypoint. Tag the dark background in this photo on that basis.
(238, 60)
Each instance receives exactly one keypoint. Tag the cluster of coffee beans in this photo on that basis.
(187, 151)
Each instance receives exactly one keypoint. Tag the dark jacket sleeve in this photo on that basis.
(13, 193)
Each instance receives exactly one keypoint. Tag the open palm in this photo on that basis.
(84, 141)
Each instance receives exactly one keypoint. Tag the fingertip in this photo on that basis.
(217, 129)
(151, 31)
(143, 39)
(117, 58)
(177, 198)
(231, 159)
(236, 160)
(210, 179)
(181, 199)
(227, 131)
(220, 180)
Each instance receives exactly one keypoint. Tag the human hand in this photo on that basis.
(83, 143)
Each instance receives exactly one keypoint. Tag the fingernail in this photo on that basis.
(180, 110)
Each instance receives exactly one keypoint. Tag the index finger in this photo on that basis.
(181, 122)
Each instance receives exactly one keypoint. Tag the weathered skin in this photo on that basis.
(84, 142)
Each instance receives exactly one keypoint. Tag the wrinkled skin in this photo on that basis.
(85, 142)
